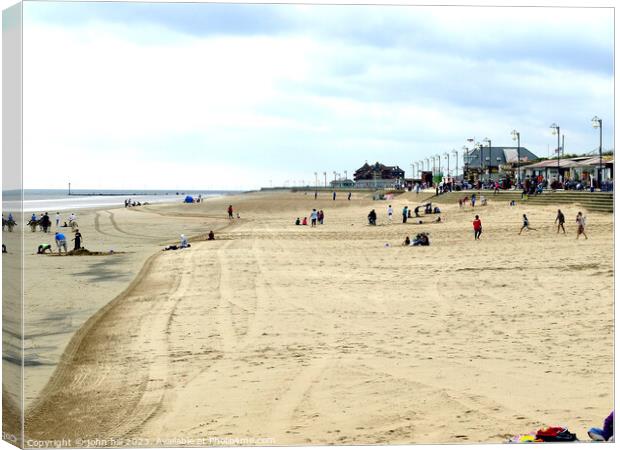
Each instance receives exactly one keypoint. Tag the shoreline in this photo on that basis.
(238, 297)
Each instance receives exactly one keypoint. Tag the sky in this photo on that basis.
(239, 96)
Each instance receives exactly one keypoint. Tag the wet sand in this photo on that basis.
(321, 336)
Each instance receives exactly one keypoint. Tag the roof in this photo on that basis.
(505, 154)
(581, 161)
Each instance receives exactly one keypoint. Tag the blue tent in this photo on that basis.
(189, 199)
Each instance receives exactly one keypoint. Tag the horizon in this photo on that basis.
(197, 94)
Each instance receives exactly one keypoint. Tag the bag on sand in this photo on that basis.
(556, 434)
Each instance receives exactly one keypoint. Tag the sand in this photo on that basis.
(278, 334)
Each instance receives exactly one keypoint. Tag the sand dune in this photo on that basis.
(328, 336)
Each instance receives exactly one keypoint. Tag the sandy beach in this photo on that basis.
(283, 334)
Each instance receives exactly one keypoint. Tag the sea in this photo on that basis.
(52, 200)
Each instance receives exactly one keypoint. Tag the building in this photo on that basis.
(342, 183)
(493, 162)
(582, 168)
(378, 176)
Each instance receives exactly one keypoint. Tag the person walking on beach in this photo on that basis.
(78, 240)
(61, 241)
(405, 214)
(315, 194)
(349, 197)
(334, 195)
(473, 200)
(45, 222)
(390, 212)
(526, 225)
(57, 219)
(581, 225)
(313, 217)
(560, 221)
(230, 212)
(477, 228)
(321, 217)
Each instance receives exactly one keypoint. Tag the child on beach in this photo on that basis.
(321, 217)
(212, 235)
(581, 225)
(43, 248)
(305, 221)
(390, 212)
(560, 221)
(526, 225)
(298, 221)
(477, 228)
(313, 217)
(78, 240)
(407, 241)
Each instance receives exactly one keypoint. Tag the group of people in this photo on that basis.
(316, 217)
(465, 200)
(61, 243)
(129, 203)
(45, 223)
(421, 239)
(560, 220)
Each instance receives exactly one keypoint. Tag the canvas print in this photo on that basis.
(306, 224)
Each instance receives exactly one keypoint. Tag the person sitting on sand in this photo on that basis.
(61, 242)
(513, 203)
(305, 221)
(428, 208)
(407, 241)
(605, 434)
(212, 235)
(298, 221)
(438, 219)
(184, 243)
(43, 248)
(581, 225)
(526, 225)
(436, 210)
(372, 217)
(4, 248)
(421, 240)
(78, 240)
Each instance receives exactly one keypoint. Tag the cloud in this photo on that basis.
(275, 92)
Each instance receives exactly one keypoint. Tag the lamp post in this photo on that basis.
(516, 136)
(465, 161)
(346, 175)
(438, 156)
(325, 175)
(447, 155)
(598, 123)
(555, 129)
(488, 141)
(316, 180)
(456, 156)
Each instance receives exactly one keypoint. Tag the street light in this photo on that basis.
(465, 161)
(447, 155)
(516, 136)
(598, 123)
(488, 141)
(438, 156)
(555, 129)
(325, 175)
(456, 155)
(316, 180)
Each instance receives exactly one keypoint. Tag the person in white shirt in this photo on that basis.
(184, 243)
(58, 219)
(390, 212)
(581, 225)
